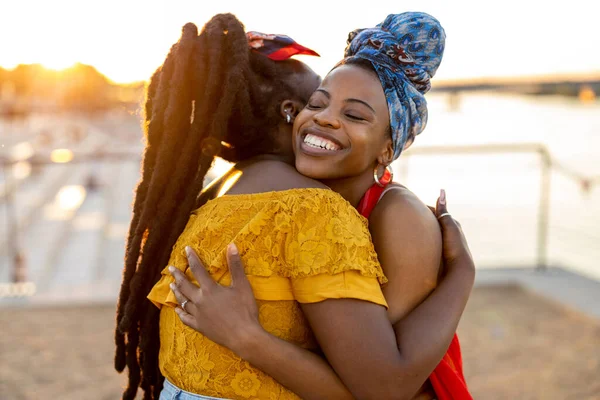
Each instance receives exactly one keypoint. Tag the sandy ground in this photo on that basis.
(516, 345)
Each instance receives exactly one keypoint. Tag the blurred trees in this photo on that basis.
(31, 87)
(85, 89)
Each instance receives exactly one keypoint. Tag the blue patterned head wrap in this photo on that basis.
(405, 50)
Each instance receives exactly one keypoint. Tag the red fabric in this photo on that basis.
(447, 379)
(276, 47)
(369, 200)
(291, 50)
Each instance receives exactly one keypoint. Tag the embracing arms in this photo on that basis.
(302, 371)
(356, 336)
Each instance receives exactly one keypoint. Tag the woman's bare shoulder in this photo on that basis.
(408, 241)
(400, 202)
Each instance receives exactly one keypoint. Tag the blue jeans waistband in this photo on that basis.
(172, 392)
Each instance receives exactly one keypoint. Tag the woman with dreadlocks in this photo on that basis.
(211, 88)
(302, 243)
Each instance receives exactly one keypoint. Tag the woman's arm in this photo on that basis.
(309, 376)
(411, 261)
(355, 339)
(448, 301)
(408, 243)
(300, 370)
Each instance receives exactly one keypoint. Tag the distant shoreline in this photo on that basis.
(586, 87)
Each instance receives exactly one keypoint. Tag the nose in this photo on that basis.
(326, 119)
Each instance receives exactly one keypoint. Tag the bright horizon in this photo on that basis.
(127, 40)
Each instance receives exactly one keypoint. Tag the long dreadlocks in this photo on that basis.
(210, 89)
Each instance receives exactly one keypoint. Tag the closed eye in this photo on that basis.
(355, 118)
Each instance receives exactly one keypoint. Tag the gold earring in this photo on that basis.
(386, 177)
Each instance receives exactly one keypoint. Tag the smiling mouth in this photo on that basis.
(318, 142)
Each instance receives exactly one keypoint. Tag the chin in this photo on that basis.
(315, 169)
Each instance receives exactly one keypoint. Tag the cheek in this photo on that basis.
(365, 145)
(301, 118)
(376, 140)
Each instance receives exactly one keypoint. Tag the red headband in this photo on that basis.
(277, 47)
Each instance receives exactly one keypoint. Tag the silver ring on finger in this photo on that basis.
(444, 215)
(183, 305)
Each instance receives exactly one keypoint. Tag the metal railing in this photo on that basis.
(10, 247)
(549, 164)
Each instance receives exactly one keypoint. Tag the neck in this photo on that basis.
(352, 189)
(287, 159)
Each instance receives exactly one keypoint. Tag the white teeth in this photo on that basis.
(320, 143)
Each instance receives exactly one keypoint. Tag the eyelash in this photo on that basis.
(350, 116)
(355, 118)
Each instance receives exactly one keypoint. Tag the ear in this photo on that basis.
(291, 108)
(387, 154)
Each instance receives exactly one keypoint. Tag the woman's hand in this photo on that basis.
(455, 251)
(227, 315)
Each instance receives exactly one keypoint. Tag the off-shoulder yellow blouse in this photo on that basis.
(298, 246)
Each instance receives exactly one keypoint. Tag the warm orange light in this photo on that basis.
(61, 156)
(587, 95)
(70, 198)
(229, 182)
(21, 170)
(58, 64)
(22, 151)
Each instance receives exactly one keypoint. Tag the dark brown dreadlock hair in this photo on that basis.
(210, 89)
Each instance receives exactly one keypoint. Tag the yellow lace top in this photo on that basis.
(298, 246)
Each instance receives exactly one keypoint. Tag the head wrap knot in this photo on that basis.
(405, 51)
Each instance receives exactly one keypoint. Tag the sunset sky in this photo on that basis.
(127, 39)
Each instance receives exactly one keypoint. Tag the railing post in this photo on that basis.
(544, 210)
(15, 258)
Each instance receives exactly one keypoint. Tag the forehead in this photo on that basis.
(351, 81)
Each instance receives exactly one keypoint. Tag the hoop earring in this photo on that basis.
(386, 177)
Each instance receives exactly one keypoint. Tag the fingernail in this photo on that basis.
(188, 250)
(443, 197)
(233, 250)
(172, 286)
(171, 269)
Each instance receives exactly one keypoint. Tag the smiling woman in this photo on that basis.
(337, 133)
